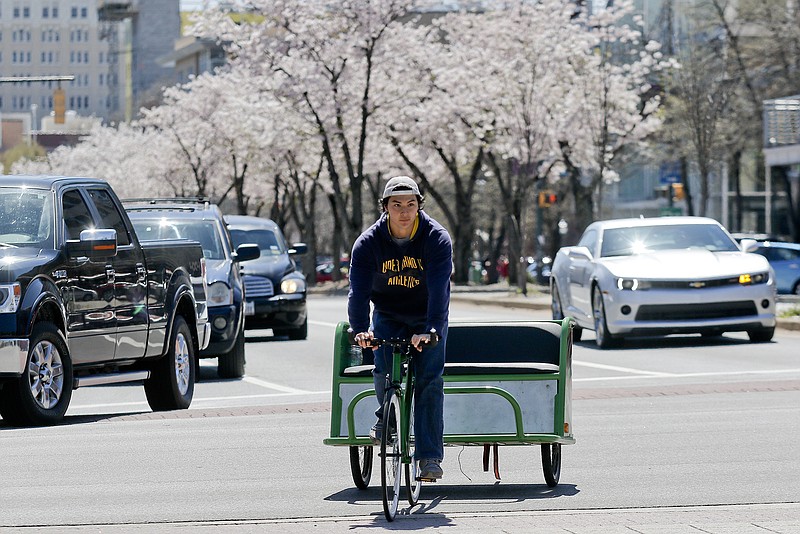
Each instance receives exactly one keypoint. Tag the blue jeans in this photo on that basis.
(429, 385)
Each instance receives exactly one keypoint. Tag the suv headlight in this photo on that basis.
(10, 295)
(219, 294)
(293, 285)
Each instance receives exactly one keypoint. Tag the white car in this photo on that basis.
(659, 276)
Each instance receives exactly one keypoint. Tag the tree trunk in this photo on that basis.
(687, 191)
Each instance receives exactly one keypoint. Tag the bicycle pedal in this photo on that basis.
(420, 479)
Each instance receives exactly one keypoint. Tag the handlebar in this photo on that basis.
(395, 342)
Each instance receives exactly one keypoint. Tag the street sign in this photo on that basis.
(669, 173)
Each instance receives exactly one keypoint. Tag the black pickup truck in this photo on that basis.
(83, 302)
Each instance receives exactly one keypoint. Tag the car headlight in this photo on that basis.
(752, 279)
(219, 294)
(293, 285)
(632, 284)
(10, 295)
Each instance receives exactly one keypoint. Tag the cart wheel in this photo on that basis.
(361, 465)
(391, 456)
(551, 463)
(413, 485)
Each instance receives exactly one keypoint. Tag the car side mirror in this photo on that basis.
(580, 253)
(749, 245)
(247, 252)
(298, 249)
(94, 244)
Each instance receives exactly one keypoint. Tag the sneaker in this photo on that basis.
(430, 469)
(376, 433)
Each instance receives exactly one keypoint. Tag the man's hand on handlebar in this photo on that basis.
(418, 340)
(364, 339)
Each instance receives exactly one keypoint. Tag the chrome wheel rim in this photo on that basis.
(599, 317)
(46, 375)
(182, 363)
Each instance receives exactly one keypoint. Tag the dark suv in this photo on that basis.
(275, 288)
(199, 220)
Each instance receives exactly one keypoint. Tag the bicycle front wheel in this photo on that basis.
(413, 484)
(391, 455)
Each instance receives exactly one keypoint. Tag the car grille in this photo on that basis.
(258, 286)
(688, 312)
(694, 284)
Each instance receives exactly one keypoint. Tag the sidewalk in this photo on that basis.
(538, 298)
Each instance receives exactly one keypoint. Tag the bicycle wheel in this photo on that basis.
(413, 484)
(391, 455)
(361, 465)
(551, 463)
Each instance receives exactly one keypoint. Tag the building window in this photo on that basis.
(84, 12)
(16, 16)
(45, 12)
(26, 12)
(55, 12)
(74, 12)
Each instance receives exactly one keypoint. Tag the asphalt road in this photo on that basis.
(677, 434)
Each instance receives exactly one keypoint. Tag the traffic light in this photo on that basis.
(677, 191)
(547, 199)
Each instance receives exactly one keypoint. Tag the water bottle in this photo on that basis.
(356, 357)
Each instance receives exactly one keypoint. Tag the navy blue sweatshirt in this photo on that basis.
(409, 282)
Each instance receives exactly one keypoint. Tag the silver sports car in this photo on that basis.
(658, 276)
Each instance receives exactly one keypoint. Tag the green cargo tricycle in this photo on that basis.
(505, 383)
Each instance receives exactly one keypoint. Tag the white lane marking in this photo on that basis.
(194, 401)
(321, 323)
(621, 369)
(271, 385)
(690, 375)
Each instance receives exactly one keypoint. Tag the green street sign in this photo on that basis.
(671, 211)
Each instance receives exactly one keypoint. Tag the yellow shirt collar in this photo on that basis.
(413, 230)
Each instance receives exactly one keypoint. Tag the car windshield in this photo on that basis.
(642, 239)
(26, 218)
(204, 232)
(267, 240)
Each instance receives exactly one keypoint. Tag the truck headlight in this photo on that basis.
(293, 285)
(219, 294)
(10, 295)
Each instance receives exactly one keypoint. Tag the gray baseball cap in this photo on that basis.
(400, 185)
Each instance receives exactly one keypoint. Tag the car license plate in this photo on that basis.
(249, 308)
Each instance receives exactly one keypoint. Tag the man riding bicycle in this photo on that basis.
(402, 264)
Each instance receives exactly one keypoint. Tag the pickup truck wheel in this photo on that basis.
(41, 395)
(232, 363)
(171, 386)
